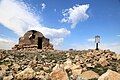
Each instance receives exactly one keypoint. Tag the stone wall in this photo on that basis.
(33, 40)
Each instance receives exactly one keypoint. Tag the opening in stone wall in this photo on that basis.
(39, 43)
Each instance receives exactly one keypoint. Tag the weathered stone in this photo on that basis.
(77, 58)
(103, 61)
(8, 77)
(28, 73)
(110, 75)
(90, 65)
(56, 67)
(118, 56)
(89, 75)
(16, 66)
(76, 66)
(45, 68)
(80, 78)
(59, 75)
(76, 72)
(33, 40)
(2, 56)
(40, 75)
(68, 55)
(33, 63)
(3, 69)
(68, 64)
(2, 72)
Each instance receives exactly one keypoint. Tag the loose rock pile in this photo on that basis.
(59, 65)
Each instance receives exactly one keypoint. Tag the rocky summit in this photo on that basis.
(59, 65)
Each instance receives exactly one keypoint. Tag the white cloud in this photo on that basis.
(6, 43)
(43, 6)
(18, 17)
(58, 42)
(118, 35)
(112, 46)
(91, 40)
(55, 10)
(75, 14)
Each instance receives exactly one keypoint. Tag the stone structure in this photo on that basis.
(33, 40)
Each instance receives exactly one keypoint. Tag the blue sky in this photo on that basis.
(68, 23)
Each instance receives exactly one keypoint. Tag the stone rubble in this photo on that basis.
(59, 65)
(110, 75)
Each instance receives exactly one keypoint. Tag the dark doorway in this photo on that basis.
(39, 43)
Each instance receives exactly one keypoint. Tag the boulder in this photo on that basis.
(56, 67)
(68, 64)
(2, 56)
(76, 69)
(15, 67)
(68, 55)
(110, 75)
(40, 75)
(28, 73)
(89, 75)
(77, 58)
(90, 65)
(103, 61)
(76, 72)
(33, 63)
(118, 56)
(3, 69)
(58, 75)
(8, 77)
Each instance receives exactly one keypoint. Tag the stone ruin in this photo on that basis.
(33, 40)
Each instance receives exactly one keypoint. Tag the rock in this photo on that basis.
(79, 78)
(68, 55)
(59, 75)
(7, 59)
(90, 65)
(11, 57)
(40, 75)
(15, 67)
(77, 58)
(2, 56)
(1, 77)
(110, 75)
(28, 73)
(89, 75)
(118, 56)
(8, 77)
(56, 67)
(76, 72)
(68, 64)
(89, 54)
(75, 66)
(3, 69)
(2, 72)
(45, 68)
(103, 61)
(33, 63)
